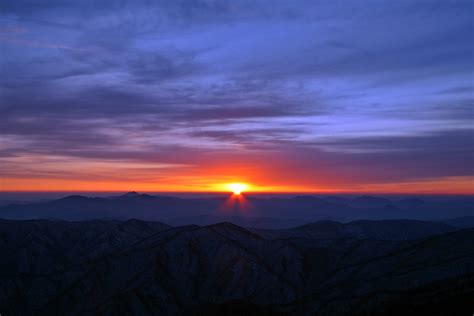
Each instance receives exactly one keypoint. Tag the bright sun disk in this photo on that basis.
(237, 188)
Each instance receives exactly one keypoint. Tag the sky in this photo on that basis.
(287, 96)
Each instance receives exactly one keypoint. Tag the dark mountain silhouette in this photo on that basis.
(362, 229)
(148, 268)
(130, 194)
(462, 222)
(257, 212)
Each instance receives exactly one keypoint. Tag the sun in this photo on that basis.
(237, 188)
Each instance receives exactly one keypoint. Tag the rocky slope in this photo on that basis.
(148, 268)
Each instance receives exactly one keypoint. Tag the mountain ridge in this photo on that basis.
(178, 269)
(257, 212)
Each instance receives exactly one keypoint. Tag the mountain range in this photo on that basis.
(273, 212)
(110, 267)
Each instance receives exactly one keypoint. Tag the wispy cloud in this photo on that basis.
(334, 92)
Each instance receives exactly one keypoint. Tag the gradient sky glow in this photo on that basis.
(353, 96)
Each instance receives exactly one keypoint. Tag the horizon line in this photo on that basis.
(246, 193)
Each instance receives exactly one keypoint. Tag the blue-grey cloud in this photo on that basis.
(346, 84)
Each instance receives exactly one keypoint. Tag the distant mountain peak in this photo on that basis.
(134, 221)
(131, 194)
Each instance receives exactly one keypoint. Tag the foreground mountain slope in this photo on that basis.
(144, 268)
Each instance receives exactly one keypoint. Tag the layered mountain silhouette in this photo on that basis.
(110, 267)
(256, 212)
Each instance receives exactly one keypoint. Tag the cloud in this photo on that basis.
(365, 91)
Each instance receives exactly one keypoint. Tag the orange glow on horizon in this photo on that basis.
(446, 185)
(208, 174)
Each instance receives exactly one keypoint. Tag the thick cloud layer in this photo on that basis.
(302, 95)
